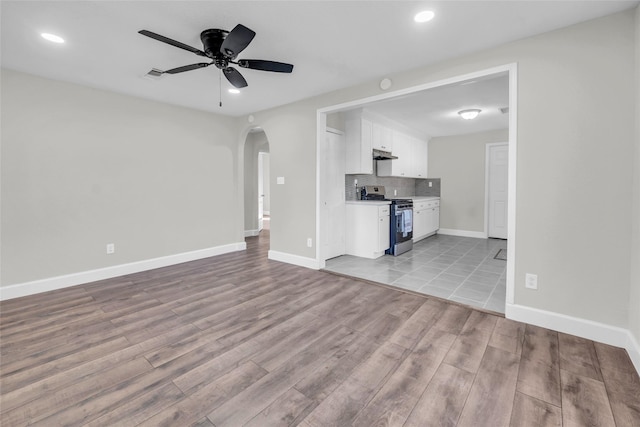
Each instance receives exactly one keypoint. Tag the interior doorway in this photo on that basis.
(264, 192)
(511, 71)
(256, 182)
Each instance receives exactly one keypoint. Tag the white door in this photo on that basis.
(497, 189)
(260, 191)
(332, 195)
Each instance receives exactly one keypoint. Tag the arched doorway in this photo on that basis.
(256, 183)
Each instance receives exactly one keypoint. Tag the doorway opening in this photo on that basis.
(257, 195)
(327, 116)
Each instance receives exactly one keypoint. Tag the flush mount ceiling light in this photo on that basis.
(52, 38)
(424, 16)
(469, 114)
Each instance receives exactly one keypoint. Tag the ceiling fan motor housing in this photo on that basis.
(212, 41)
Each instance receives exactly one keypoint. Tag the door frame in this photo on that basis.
(487, 158)
(512, 70)
(321, 231)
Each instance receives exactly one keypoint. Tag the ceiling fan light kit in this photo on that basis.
(221, 47)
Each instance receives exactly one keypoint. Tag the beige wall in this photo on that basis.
(82, 168)
(575, 146)
(459, 161)
(634, 298)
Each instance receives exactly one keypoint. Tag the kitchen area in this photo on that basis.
(393, 195)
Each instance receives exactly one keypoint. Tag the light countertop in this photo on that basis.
(368, 202)
(423, 198)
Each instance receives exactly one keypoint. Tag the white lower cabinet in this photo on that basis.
(367, 232)
(426, 218)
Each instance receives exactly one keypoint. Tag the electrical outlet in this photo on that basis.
(395, 192)
(430, 184)
(309, 242)
(111, 248)
(531, 281)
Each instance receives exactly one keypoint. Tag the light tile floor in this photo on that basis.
(461, 269)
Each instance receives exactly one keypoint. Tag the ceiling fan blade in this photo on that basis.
(188, 68)
(259, 64)
(237, 40)
(171, 42)
(234, 77)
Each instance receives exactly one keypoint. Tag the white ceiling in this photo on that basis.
(333, 45)
(434, 112)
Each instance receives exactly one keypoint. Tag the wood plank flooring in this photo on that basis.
(237, 340)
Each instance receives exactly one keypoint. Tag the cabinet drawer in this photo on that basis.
(383, 211)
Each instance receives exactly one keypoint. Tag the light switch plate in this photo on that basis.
(280, 180)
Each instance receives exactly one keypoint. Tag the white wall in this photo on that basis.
(459, 160)
(575, 147)
(82, 168)
(634, 297)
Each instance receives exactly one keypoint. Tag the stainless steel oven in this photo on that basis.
(401, 233)
(401, 228)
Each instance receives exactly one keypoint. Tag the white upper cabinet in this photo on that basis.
(411, 161)
(358, 138)
(420, 160)
(365, 131)
(382, 137)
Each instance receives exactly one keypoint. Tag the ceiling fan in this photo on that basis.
(222, 47)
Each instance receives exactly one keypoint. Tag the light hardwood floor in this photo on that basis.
(239, 340)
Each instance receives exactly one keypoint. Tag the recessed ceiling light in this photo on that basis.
(469, 114)
(424, 16)
(52, 38)
(234, 91)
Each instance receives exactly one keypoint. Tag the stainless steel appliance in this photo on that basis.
(401, 229)
(401, 237)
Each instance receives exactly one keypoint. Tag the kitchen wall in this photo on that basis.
(83, 167)
(460, 162)
(576, 124)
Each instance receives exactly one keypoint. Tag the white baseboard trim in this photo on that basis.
(595, 331)
(633, 348)
(251, 233)
(59, 282)
(294, 259)
(463, 233)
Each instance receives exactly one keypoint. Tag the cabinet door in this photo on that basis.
(358, 146)
(404, 153)
(420, 225)
(436, 218)
(366, 158)
(420, 161)
(381, 137)
(383, 233)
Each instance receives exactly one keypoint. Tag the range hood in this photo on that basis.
(383, 155)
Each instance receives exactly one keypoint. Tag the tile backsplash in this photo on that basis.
(404, 187)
